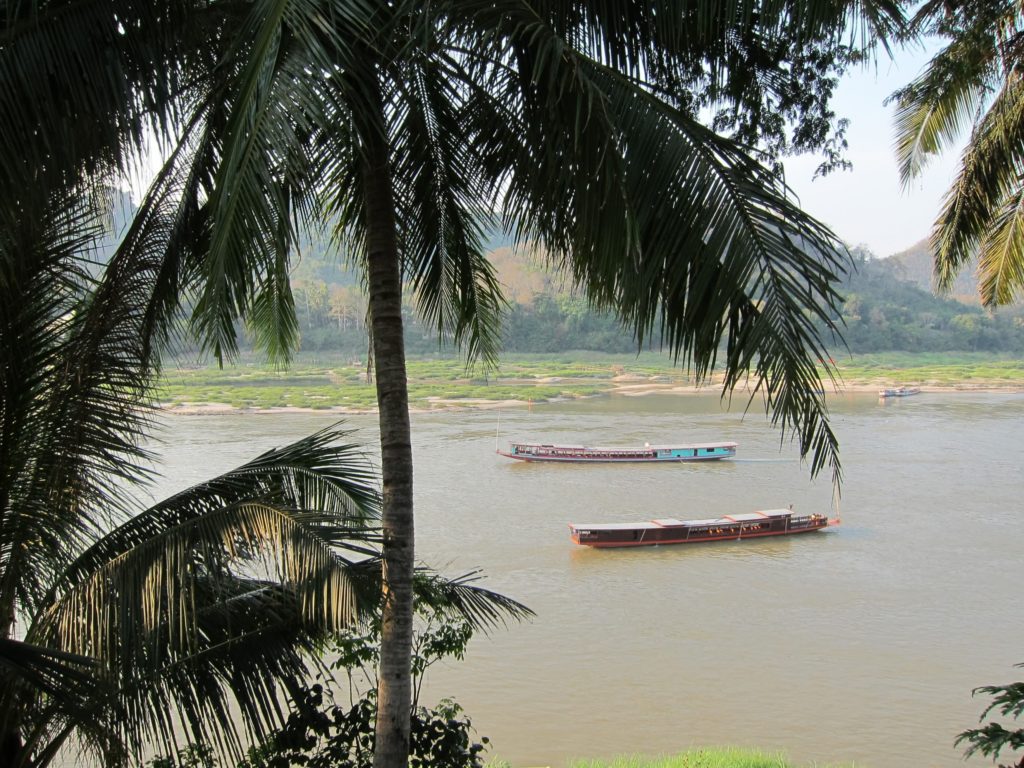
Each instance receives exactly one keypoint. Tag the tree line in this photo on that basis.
(880, 312)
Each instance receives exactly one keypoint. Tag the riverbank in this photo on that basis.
(698, 758)
(342, 386)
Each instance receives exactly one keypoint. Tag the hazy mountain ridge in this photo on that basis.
(915, 265)
(889, 304)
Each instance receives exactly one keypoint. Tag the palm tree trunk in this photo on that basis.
(394, 690)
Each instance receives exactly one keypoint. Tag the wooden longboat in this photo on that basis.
(646, 453)
(750, 525)
(899, 392)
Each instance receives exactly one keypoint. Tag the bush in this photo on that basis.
(319, 733)
(992, 738)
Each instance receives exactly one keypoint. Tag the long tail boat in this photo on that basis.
(750, 525)
(645, 453)
(899, 392)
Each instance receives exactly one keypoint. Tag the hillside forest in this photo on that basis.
(889, 306)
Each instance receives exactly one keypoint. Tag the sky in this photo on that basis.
(867, 206)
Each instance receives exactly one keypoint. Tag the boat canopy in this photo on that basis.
(612, 526)
(671, 522)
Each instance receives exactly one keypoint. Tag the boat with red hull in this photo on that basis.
(653, 454)
(749, 525)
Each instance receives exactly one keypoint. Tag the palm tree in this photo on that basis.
(566, 120)
(410, 123)
(212, 599)
(975, 83)
(126, 628)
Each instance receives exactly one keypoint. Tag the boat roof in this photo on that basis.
(671, 522)
(717, 444)
(615, 526)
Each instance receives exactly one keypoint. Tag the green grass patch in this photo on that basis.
(727, 757)
(322, 384)
(949, 370)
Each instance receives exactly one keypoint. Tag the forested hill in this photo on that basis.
(889, 306)
(884, 311)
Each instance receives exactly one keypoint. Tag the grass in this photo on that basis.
(726, 757)
(704, 758)
(321, 382)
(951, 370)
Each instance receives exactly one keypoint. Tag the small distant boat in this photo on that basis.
(646, 453)
(899, 392)
(750, 525)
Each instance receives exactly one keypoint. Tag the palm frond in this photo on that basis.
(253, 640)
(154, 581)
(72, 401)
(483, 608)
(84, 81)
(48, 694)
(215, 597)
(441, 195)
(319, 473)
(937, 108)
(675, 228)
(261, 182)
(460, 596)
(988, 177)
(68, 677)
(1001, 256)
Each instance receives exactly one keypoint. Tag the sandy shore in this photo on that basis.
(623, 386)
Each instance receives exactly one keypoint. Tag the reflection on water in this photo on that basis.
(859, 644)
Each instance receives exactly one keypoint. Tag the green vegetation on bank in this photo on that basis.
(320, 383)
(887, 306)
(702, 758)
(323, 384)
(962, 370)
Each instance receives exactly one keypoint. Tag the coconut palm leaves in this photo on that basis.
(218, 596)
(81, 83)
(483, 107)
(975, 83)
(182, 615)
(681, 232)
(631, 195)
(188, 619)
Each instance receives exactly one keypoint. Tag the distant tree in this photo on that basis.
(976, 82)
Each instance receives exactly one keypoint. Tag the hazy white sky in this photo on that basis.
(866, 206)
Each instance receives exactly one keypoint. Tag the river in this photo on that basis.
(854, 645)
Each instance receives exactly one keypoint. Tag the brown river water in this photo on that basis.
(858, 645)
